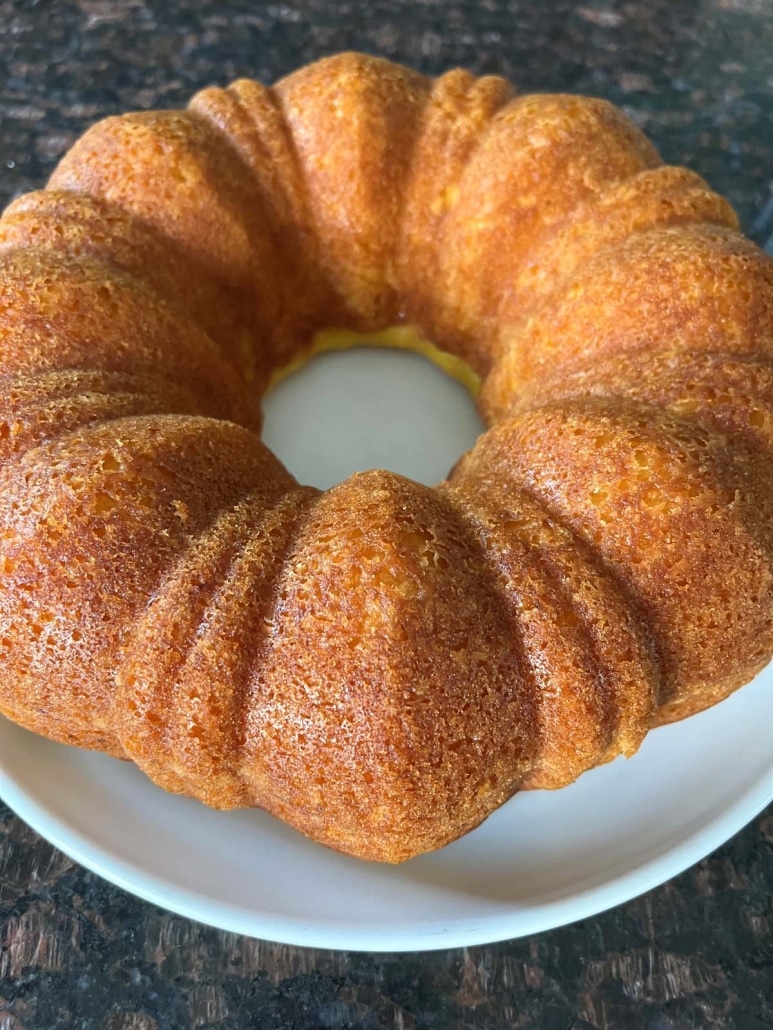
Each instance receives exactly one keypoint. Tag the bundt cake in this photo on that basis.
(381, 664)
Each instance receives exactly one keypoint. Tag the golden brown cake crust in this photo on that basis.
(381, 664)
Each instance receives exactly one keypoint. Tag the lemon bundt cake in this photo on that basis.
(381, 664)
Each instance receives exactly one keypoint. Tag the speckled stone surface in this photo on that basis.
(78, 954)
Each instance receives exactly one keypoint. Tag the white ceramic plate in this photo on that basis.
(542, 860)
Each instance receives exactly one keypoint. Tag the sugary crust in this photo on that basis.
(415, 739)
(692, 288)
(589, 658)
(382, 664)
(354, 154)
(90, 522)
(680, 517)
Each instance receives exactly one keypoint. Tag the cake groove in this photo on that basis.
(59, 313)
(249, 118)
(614, 671)
(160, 671)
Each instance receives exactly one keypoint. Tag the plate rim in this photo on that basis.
(342, 935)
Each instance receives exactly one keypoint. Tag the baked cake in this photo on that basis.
(381, 664)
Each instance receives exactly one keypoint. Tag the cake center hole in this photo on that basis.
(369, 408)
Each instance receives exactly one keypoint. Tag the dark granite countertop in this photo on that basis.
(79, 954)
